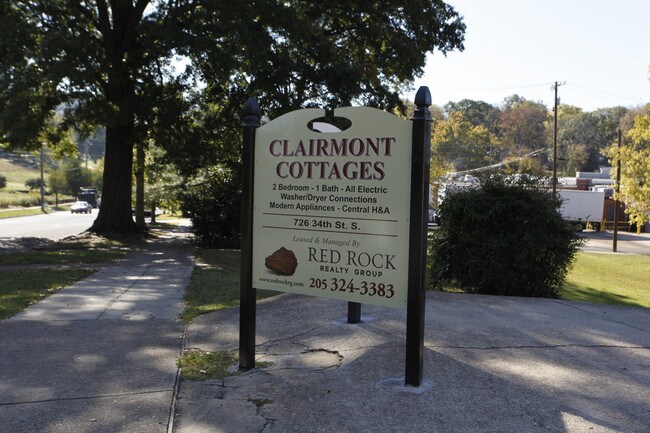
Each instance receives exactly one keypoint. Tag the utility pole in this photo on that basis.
(618, 190)
(42, 182)
(555, 104)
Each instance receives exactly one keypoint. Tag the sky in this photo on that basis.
(598, 50)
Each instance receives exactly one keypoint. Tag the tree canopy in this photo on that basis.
(634, 156)
(461, 144)
(116, 64)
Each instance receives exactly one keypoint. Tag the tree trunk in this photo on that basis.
(115, 214)
(119, 32)
(139, 186)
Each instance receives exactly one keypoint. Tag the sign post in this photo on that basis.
(418, 238)
(247, 291)
(338, 214)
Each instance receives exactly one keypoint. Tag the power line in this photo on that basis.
(556, 101)
(495, 89)
(603, 95)
(500, 164)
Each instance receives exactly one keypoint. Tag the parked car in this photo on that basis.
(81, 207)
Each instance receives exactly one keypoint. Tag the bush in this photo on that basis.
(502, 239)
(34, 184)
(29, 202)
(215, 210)
(3, 181)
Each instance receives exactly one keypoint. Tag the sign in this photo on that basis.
(331, 210)
(340, 214)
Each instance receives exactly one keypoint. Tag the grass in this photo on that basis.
(215, 283)
(18, 174)
(620, 279)
(19, 289)
(60, 257)
(599, 278)
(12, 213)
(617, 279)
(16, 193)
(201, 365)
(198, 364)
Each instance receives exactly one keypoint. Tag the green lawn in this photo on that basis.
(19, 289)
(215, 283)
(12, 213)
(609, 278)
(61, 257)
(602, 278)
(16, 193)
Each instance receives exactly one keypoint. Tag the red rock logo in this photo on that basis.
(282, 262)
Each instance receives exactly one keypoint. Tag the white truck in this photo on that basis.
(582, 207)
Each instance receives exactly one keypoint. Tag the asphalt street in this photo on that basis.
(32, 230)
(627, 243)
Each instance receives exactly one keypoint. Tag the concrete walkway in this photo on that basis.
(99, 356)
(491, 364)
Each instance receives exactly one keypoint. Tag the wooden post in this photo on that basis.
(247, 291)
(616, 204)
(418, 237)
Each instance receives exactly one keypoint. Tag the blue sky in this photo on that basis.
(599, 48)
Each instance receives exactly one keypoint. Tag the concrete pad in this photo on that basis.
(492, 364)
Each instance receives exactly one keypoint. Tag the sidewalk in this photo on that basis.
(100, 355)
(491, 365)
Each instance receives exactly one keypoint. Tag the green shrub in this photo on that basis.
(34, 184)
(28, 202)
(3, 181)
(214, 206)
(502, 239)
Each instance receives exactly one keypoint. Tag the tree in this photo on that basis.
(459, 143)
(478, 113)
(111, 64)
(58, 185)
(77, 177)
(522, 125)
(583, 136)
(34, 184)
(634, 156)
(503, 239)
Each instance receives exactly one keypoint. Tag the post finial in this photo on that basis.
(422, 103)
(251, 113)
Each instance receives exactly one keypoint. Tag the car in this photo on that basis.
(81, 207)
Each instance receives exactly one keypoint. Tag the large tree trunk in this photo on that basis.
(119, 32)
(139, 186)
(115, 210)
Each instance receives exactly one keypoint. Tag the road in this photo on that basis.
(629, 243)
(24, 231)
